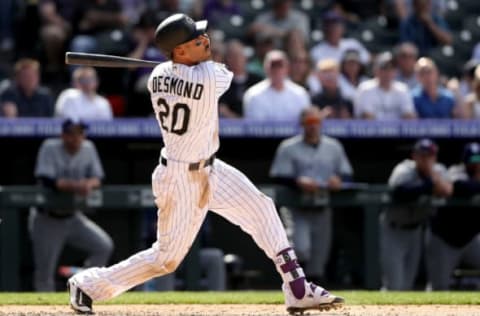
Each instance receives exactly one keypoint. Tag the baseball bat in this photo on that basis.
(100, 60)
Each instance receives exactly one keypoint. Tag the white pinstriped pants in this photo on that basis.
(183, 198)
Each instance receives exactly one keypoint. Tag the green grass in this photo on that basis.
(250, 297)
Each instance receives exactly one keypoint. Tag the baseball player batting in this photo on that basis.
(189, 180)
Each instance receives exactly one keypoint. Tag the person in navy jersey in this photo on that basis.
(431, 100)
(424, 29)
(454, 235)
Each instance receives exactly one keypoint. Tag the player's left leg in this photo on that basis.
(180, 216)
(471, 254)
(321, 223)
(412, 260)
(441, 259)
(48, 239)
(240, 202)
(88, 236)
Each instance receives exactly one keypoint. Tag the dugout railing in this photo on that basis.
(370, 198)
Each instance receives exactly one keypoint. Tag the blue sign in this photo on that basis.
(232, 128)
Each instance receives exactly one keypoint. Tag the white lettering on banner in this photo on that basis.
(363, 130)
(48, 129)
(129, 129)
(23, 127)
(465, 130)
(228, 130)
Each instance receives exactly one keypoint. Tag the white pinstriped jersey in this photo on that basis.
(186, 109)
(185, 101)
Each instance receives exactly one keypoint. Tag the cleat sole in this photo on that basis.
(322, 308)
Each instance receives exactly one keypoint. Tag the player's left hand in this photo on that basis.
(307, 184)
(334, 183)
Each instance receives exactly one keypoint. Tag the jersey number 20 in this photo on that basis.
(180, 111)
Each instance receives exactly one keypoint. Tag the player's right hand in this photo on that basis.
(307, 184)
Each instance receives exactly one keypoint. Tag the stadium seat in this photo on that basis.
(463, 42)
(472, 6)
(252, 6)
(454, 15)
(375, 35)
(472, 23)
(448, 60)
(316, 36)
(233, 27)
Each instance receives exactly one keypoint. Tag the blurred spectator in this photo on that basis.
(468, 76)
(82, 101)
(217, 48)
(472, 102)
(263, 44)
(56, 30)
(25, 97)
(217, 10)
(132, 9)
(294, 42)
(476, 52)
(26, 29)
(143, 48)
(406, 55)
(431, 100)
(331, 97)
(68, 164)
(334, 45)
(461, 89)
(300, 68)
(455, 231)
(144, 40)
(404, 8)
(230, 103)
(352, 73)
(311, 163)
(7, 8)
(277, 97)
(383, 98)
(356, 10)
(281, 19)
(425, 29)
(94, 20)
(401, 224)
(165, 8)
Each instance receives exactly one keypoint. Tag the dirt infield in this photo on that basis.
(243, 310)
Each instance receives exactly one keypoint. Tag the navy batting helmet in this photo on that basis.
(471, 153)
(177, 29)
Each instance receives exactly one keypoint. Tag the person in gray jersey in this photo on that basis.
(311, 162)
(454, 235)
(67, 164)
(401, 225)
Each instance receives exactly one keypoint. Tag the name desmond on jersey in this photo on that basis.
(177, 86)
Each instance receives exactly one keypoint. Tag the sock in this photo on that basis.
(291, 272)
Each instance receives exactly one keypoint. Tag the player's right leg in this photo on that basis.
(441, 259)
(91, 238)
(178, 223)
(48, 237)
(238, 200)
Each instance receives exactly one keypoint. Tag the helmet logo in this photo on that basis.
(189, 20)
